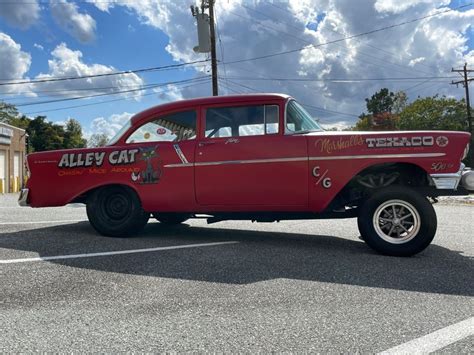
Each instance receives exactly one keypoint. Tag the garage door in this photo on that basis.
(3, 171)
(16, 172)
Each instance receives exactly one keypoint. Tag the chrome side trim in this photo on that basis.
(180, 154)
(23, 199)
(379, 156)
(185, 165)
(252, 161)
(297, 159)
(449, 181)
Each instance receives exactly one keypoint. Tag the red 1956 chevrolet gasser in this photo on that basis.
(261, 158)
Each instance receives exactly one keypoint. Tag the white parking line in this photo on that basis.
(41, 222)
(436, 340)
(106, 253)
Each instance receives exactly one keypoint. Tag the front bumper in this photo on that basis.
(451, 181)
(23, 199)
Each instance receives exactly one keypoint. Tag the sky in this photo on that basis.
(44, 40)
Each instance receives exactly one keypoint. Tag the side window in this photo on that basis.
(240, 121)
(176, 127)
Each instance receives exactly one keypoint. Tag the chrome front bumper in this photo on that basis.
(23, 199)
(451, 181)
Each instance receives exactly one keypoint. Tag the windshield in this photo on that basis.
(119, 134)
(299, 120)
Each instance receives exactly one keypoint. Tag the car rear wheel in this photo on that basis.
(171, 218)
(397, 221)
(116, 211)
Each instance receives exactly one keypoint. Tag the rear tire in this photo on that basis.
(397, 221)
(171, 219)
(116, 211)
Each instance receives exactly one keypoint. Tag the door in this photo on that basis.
(164, 173)
(3, 173)
(244, 159)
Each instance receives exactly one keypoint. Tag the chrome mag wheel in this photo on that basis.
(396, 221)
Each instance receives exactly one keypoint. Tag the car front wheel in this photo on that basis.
(397, 221)
(116, 211)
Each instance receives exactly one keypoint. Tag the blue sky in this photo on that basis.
(127, 34)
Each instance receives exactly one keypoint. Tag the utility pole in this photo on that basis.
(465, 83)
(215, 89)
(206, 33)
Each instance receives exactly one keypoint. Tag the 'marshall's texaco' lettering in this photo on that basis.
(384, 142)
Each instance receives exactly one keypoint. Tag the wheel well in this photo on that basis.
(82, 198)
(378, 176)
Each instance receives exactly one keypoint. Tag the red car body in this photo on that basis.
(285, 172)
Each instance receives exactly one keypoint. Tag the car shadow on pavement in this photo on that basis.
(258, 256)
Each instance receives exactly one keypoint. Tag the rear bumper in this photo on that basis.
(23, 199)
(451, 181)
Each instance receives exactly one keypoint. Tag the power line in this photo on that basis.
(110, 93)
(304, 104)
(349, 37)
(102, 102)
(339, 33)
(343, 46)
(344, 80)
(143, 70)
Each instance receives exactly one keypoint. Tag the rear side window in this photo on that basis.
(240, 121)
(176, 127)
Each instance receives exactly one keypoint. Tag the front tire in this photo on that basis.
(397, 221)
(116, 211)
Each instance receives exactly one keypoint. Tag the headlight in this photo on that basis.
(465, 152)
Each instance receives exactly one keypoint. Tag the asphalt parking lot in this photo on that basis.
(297, 286)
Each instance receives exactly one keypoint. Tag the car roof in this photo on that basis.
(206, 101)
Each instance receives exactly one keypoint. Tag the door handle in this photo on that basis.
(202, 144)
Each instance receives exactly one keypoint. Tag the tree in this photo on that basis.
(364, 123)
(44, 135)
(97, 140)
(438, 113)
(73, 135)
(7, 112)
(383, 108)
(381, 101)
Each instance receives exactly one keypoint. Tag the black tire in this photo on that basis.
(171, 219)
(116, 211)
(406, 232)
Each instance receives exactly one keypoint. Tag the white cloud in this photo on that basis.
(169, 94)
(67, 16)
(413, 62)
(20, 14)
(108, 125)
(68, 63)
(398, 6)
(38, 46)
(441, 40)
(15, 64)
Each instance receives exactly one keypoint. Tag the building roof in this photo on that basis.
(12, 127)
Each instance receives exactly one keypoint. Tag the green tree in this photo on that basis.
(381, 101)
(7, 112)
(364, 123)
(434, 113)
(97, 140)
(383, 108)
(73, 135)
(44, 135)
